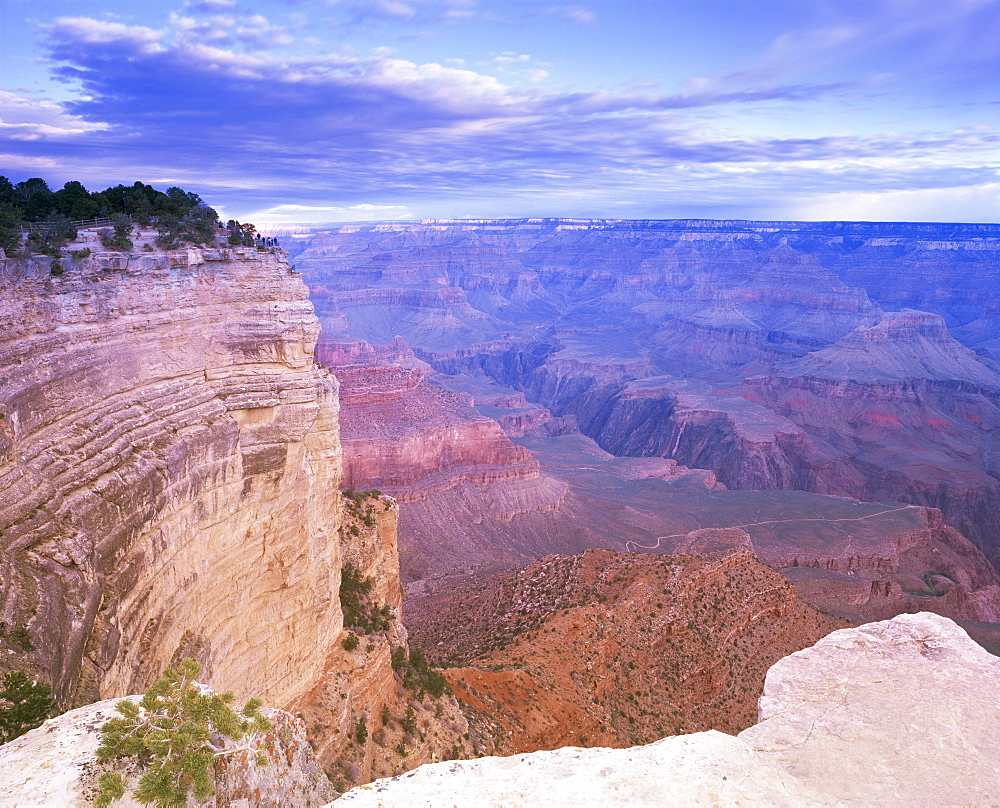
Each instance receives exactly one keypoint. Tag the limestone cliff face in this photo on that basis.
(169, 461)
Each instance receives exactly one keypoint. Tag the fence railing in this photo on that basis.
(42, 227)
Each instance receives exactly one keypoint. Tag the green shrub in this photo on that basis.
(118, 238)
(20, 635)
(361, 731)
(24, 705)
(409, 722)
(350, 641)
(176, 731)
(361, 611)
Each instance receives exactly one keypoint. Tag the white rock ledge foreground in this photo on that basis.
(902, 712)
(899, 713)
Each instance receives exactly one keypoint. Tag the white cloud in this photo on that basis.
(24, 118)
(972, 203)
(268, 219)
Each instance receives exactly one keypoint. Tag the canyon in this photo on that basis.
(668, 376)
(171, 465)
(606, 474)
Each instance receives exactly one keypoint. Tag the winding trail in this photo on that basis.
(633, 547)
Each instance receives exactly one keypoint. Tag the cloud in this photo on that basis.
(973, 203)
(208, 101)
(573, 13)
(271, 217)
(26, 118)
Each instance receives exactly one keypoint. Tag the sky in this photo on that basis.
(284, 111)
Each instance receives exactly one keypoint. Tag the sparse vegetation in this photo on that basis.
(181, 216)
(361, 510)
(932, 591)
(176, 732)
(20, 637)
(361, 612)
(417, 675)
(118, 238)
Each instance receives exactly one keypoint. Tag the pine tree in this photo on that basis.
(24, 705)
(178, 729)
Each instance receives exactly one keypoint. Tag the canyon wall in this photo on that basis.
(169, 461)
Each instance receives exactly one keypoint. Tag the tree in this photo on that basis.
(119, 238)
(178, 729)
(10, 230)
(24, 705)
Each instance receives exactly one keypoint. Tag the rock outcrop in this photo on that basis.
(56, 764)
(898, 712)
(170, 461)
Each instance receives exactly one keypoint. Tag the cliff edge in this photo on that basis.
(169, 461)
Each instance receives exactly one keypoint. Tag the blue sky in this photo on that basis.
(334, 110)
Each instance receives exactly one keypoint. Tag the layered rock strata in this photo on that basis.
(899, 712)
(722, 345)
(470, 498)
(170, 461)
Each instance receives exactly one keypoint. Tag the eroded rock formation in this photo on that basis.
(170, 461)
(613, 649)
(780, 355)
(170, 469)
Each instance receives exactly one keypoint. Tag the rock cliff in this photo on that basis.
(898, 712)
(170, 461)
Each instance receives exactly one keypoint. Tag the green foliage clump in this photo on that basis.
(241, 234)
(195, 226)
(417, 674)
(118, 238)
(350, 641)
(361, 731)
(24, 705)
(409, 721)
(177, 731)
(10, 228)
(361, 504)
(33, 201)
(361, 611)
(20, 636)
(57, 231)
